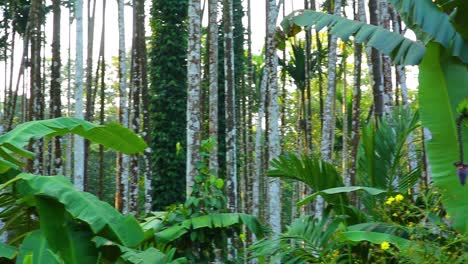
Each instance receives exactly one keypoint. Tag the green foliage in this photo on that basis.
(307, 240)
(441, 82)
(168, 78)
(201, 225)
(112, 136)
(400, 49)
(68, 219)
(427, 19)
(383, 152)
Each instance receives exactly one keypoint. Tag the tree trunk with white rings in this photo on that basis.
(386, 61)
(123, 160)
(78, 167)
(230, 108)
(274, 149)
(259, 134)
(194, 125)
(328, 132)
(55, 87)
(138, 80)
(213, 82)
(356, 105)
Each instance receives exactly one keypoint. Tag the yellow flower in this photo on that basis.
(435, 209)
(395, 214)
(399, 198)
(385, 245)
(447, 216)
(410, 224)
(390, 200)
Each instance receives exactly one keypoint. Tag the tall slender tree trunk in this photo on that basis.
(250, 94)
(68, 151)
(91, 11)
(376, 59)
(359, 15)
(274, 150)
(386, 61)
(79, 142)
(139, 79)
(36, 103)
(193, 96)
(121, 202)
(230, 110)
(213, 69)
(328, 133)
(102, 98)
(55, 86)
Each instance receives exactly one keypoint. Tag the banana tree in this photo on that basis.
(65, 225)
(442, 53)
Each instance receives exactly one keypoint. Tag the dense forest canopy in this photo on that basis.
(233, 131)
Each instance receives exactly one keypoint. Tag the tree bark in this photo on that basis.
(193, 96)
(79, 142)
(376, 59)
(121, 202)
(386, 61)
(274, 149)
(55, 86)
(230, 102)
(328, 133)
(360, 15)
(213, 69)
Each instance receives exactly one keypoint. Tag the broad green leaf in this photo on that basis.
(102, 218)
(402, 50)
(7, 251)
(67, 238)
(222, 220)
(129, 255)
(35, 250)
(378, 238)
(424, 15)
(442, 86)
(112, 136)
(339, 190)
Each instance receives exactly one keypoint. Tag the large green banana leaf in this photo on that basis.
(218, 220)
(7, 251)
(102, 218)
(112, 136)
(402, 50)
(129, 255)
(426, 16)
(67, 238)
(35, 250)
(443, 84)
(340, 190)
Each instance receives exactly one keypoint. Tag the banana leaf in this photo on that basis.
(7, 251)
(340, 190)
(402, 50)
(129, 255)
(112, 136)
(219, 220)
(102, 218)
(35, 250)
(443, 82)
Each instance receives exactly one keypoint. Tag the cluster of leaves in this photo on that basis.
(49, 221)
(199, 228)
